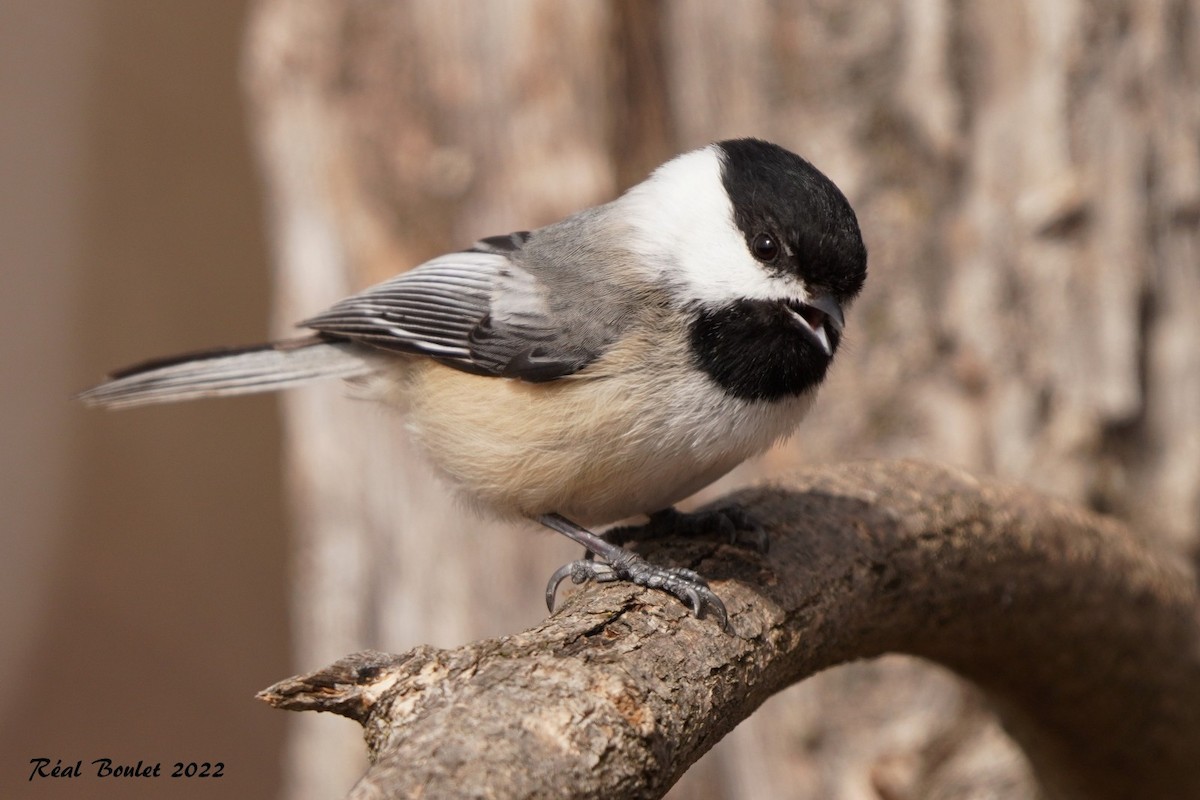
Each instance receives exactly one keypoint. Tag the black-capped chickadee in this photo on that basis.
(608, 365)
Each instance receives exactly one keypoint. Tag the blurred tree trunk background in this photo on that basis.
(1027, 176)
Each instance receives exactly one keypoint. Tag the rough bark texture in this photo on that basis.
(1027, 176)
(1088, 641)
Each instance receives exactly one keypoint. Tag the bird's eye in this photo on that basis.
(764, 247)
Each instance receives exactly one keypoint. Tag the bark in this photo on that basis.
(1087, 640)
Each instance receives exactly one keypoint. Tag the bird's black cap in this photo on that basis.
(777, 192)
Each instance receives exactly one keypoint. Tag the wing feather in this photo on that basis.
(480, 310)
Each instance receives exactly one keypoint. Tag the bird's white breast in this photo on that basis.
(621, 440)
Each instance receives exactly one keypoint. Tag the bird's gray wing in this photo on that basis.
(478, 310)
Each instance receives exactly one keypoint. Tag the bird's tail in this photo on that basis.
(229, 371)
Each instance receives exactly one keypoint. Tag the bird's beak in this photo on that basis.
(831, 308)
(816, 315)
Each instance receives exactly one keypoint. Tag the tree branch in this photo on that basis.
(1087, 641)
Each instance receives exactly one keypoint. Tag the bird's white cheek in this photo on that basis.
(682, 223)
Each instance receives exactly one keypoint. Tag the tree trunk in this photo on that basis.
(1027, 176)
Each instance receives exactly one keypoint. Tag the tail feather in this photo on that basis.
(229, 371)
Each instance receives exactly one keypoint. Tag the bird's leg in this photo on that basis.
(624, 565)
(731, 522)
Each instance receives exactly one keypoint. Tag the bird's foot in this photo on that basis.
(624, 565)
(685, 584)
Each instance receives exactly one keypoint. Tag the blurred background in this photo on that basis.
(142, 586)
(1027, 176)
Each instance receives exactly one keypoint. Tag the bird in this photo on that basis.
(598, 368)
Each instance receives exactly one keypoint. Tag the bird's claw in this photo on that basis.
(685, 584)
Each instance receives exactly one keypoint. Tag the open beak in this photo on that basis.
(818, 315)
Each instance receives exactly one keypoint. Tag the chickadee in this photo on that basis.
(604, 366)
